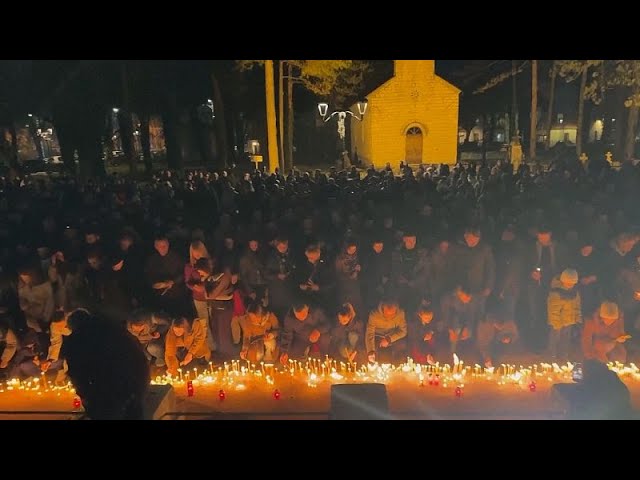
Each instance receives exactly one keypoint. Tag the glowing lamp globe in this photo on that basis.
(276, 394)
(222, 395)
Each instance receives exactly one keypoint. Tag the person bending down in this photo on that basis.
(603, 335)
(347, 337)
(185, 342)
(259, 333)
(305, 333)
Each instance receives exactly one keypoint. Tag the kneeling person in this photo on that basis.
(347, 337)
(259, 333)
(603, 335)
(185, 342)
(386, 332)
(305, 333)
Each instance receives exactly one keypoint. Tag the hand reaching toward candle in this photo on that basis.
(44, 366)
(243, 354)
(372, 358)
(304, 287)
(384, 343)
(314, 336)
(187, 359)
(155, 335)
(314, 287)
(352, 356)
(623, 338)
(506, 340)
(428, 336)
(284, 358)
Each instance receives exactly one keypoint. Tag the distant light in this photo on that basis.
(561, 120)
(116, 110)
(29, 114)
(323, 108)
(613, 119)
(362, 107)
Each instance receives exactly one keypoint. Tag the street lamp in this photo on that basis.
(341, 115)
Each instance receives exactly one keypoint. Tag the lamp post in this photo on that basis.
(341, 115)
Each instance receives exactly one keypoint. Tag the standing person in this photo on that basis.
(589, 265)
(259, 329)
(66, 279)
(603, 336)
(410, 270)
(441, 270)
(347, 336)
(219, 294)
(376, 273)
(508, 274)
(252, 272)
(477, 267)
(305, 333)
(545, 260)
(315, 279)
(36, 298)
(386, 332)
(129, 250)
(164, 272)
(193, 280)
(348, 271)
(564, 311)
(279, 271)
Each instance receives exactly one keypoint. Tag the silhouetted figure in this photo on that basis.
(107, 367)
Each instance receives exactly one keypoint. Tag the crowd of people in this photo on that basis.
(204, 267)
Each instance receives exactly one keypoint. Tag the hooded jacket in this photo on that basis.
(193, 340)
(563, 306)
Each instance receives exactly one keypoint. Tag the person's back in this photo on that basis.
(108, 369)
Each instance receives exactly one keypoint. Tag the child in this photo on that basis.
(563, 312)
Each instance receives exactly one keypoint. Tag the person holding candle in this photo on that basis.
(148, 330)
(194, 282)
(426, 336)
(252, 271)
(460, 314)
(305, 333)
(348, 270)
(259, 329)
(497, 334)
(386, 332)
(347, 336)
(409, 268)
(564, 311)
(603, 336)
(279, 270)
(314, 279)
(184, 343)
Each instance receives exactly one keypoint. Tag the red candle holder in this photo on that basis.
(430, 379)
(190, 388)
(532, 386)
(458, 392)
(222, 395)
(276, 394)
(436, 382)
(77, 403)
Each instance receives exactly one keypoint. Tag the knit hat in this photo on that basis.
(569, 276)
(609, 310)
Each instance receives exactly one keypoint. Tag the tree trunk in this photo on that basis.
(534, 109)
(170, 124)
(125, 119)
(272, 136)
(290, 120)
(14, 145)
(552, 95)
(514, 100)
(281, 122)
(486, 127)
(630, 140)
(221, 123)
(145, 140)
(579, 127)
